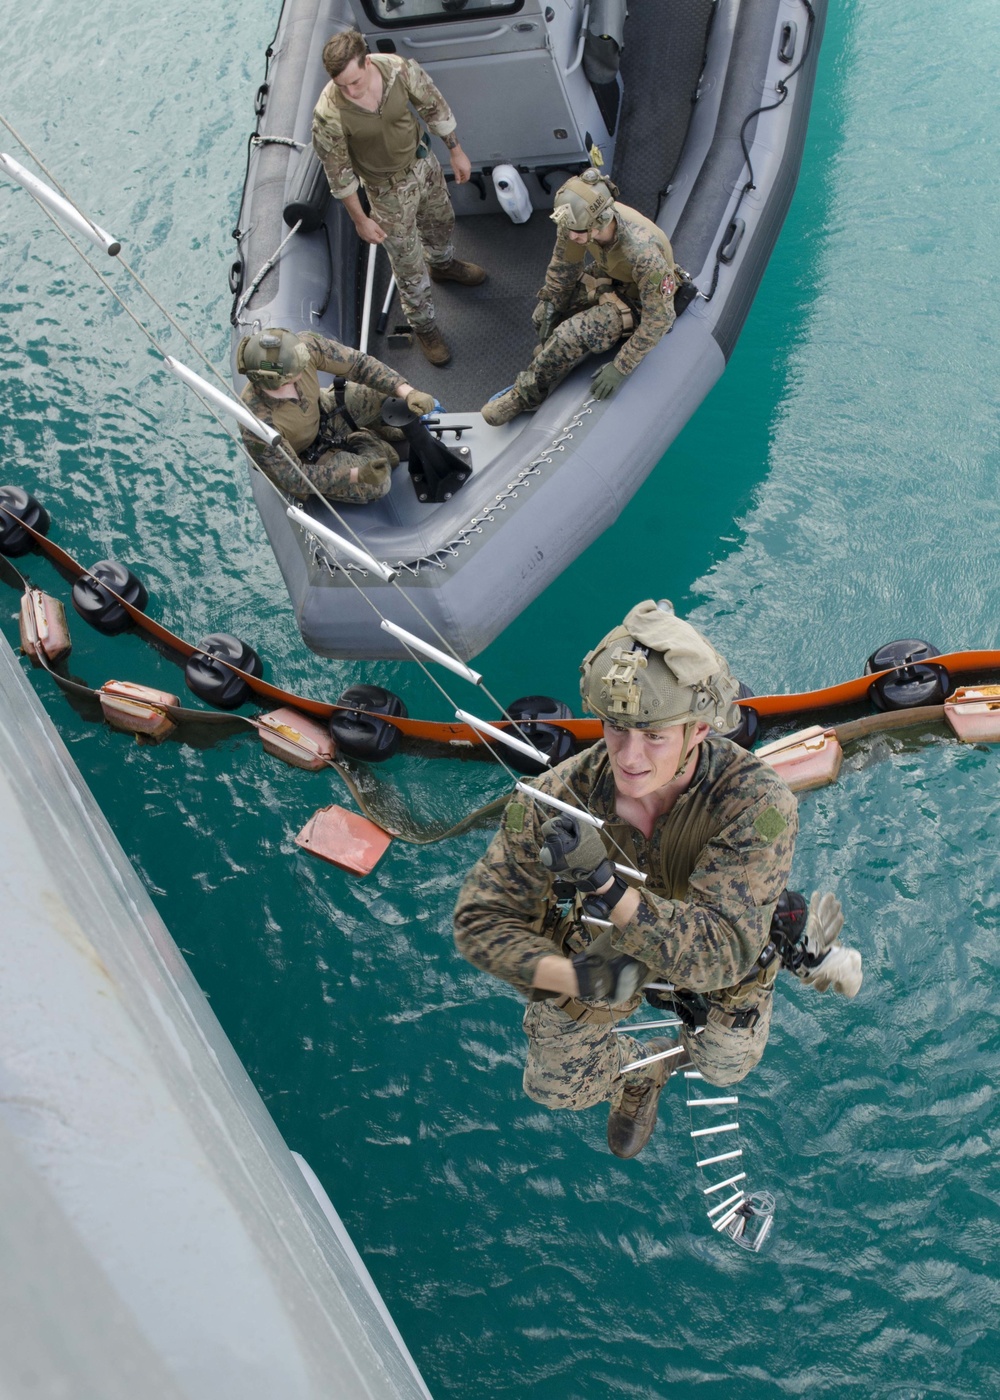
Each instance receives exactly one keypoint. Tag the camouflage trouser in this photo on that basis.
(586, 330)
(418, 219)
(576, 1064)
(338, 448)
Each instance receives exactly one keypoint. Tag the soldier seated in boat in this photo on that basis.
(624, 296)
(331, 439)
(710, 827)
(364, 131)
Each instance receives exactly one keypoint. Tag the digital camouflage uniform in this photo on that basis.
(390, 156)
(629, 284)
(318, 436)
(716, 864)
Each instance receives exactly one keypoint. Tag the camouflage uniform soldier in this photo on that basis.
(333, 436)
(712, 828)
(625, 295)
(363, 130)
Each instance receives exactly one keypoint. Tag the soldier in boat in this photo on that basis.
(364, 131)
(624, 296)
(331, 439)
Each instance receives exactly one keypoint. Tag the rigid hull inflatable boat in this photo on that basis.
(676, 98)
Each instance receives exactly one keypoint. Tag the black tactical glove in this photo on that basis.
(607, 975)
(574, 853)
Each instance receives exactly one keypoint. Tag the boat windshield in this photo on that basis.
(392, 14)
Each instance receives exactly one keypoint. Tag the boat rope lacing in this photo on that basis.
(572, 800)
(781, 88)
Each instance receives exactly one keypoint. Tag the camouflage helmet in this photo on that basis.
(656, 670)
(272, 358)
(585, 202)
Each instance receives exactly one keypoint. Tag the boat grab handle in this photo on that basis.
(581, 43)
(497, 33)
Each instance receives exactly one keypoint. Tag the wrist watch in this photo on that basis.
(599, 906)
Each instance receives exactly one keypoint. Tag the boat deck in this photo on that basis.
(488, 328)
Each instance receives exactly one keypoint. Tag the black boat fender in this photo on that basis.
(913, 682)
(309, 196)
(548, 738)
(102, 606)
(358, 733)
(17, 505)
(745, 733)
(604, 40)
(209, 674)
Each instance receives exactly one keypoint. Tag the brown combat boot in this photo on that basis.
(503, 407)
(433, 344)
(631, 1124)
(466, 273)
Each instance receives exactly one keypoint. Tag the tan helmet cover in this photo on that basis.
(656, 670)
(584, 202)
(272, 358)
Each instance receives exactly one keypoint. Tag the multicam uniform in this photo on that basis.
(318, 435)
(716, 864)
(389, 154)
(628, 290)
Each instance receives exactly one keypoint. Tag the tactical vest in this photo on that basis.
(613, 261)
(383, 143)
(297, 421)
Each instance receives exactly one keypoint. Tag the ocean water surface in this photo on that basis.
(838, 489)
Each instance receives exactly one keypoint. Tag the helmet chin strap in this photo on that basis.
(690, 726)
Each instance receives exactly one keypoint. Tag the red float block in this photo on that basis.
(974, 713)
(43, 627)
(137, 709)
(345, 839)
(291, 736)
(808, 759)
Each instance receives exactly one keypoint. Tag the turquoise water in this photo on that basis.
(836, 490)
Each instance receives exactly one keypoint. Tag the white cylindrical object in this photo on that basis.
(366, 309)
(515, 201)
(722, 1128)
(58, 205)
(630, 873)
(222, 400)
(442, 658)
(501, 736)
(560, 806)
(710, 1103)
(737, 1198)
(651, 1059)
(721, 1157)
(331, 540)
(721, 1185)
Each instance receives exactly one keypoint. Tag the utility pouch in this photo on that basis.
(423, 147)
(685, 293)
(691, 1007)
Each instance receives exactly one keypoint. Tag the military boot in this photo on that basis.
(631, 1124)
(433, 344)
(467, 274)
(503, 407)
